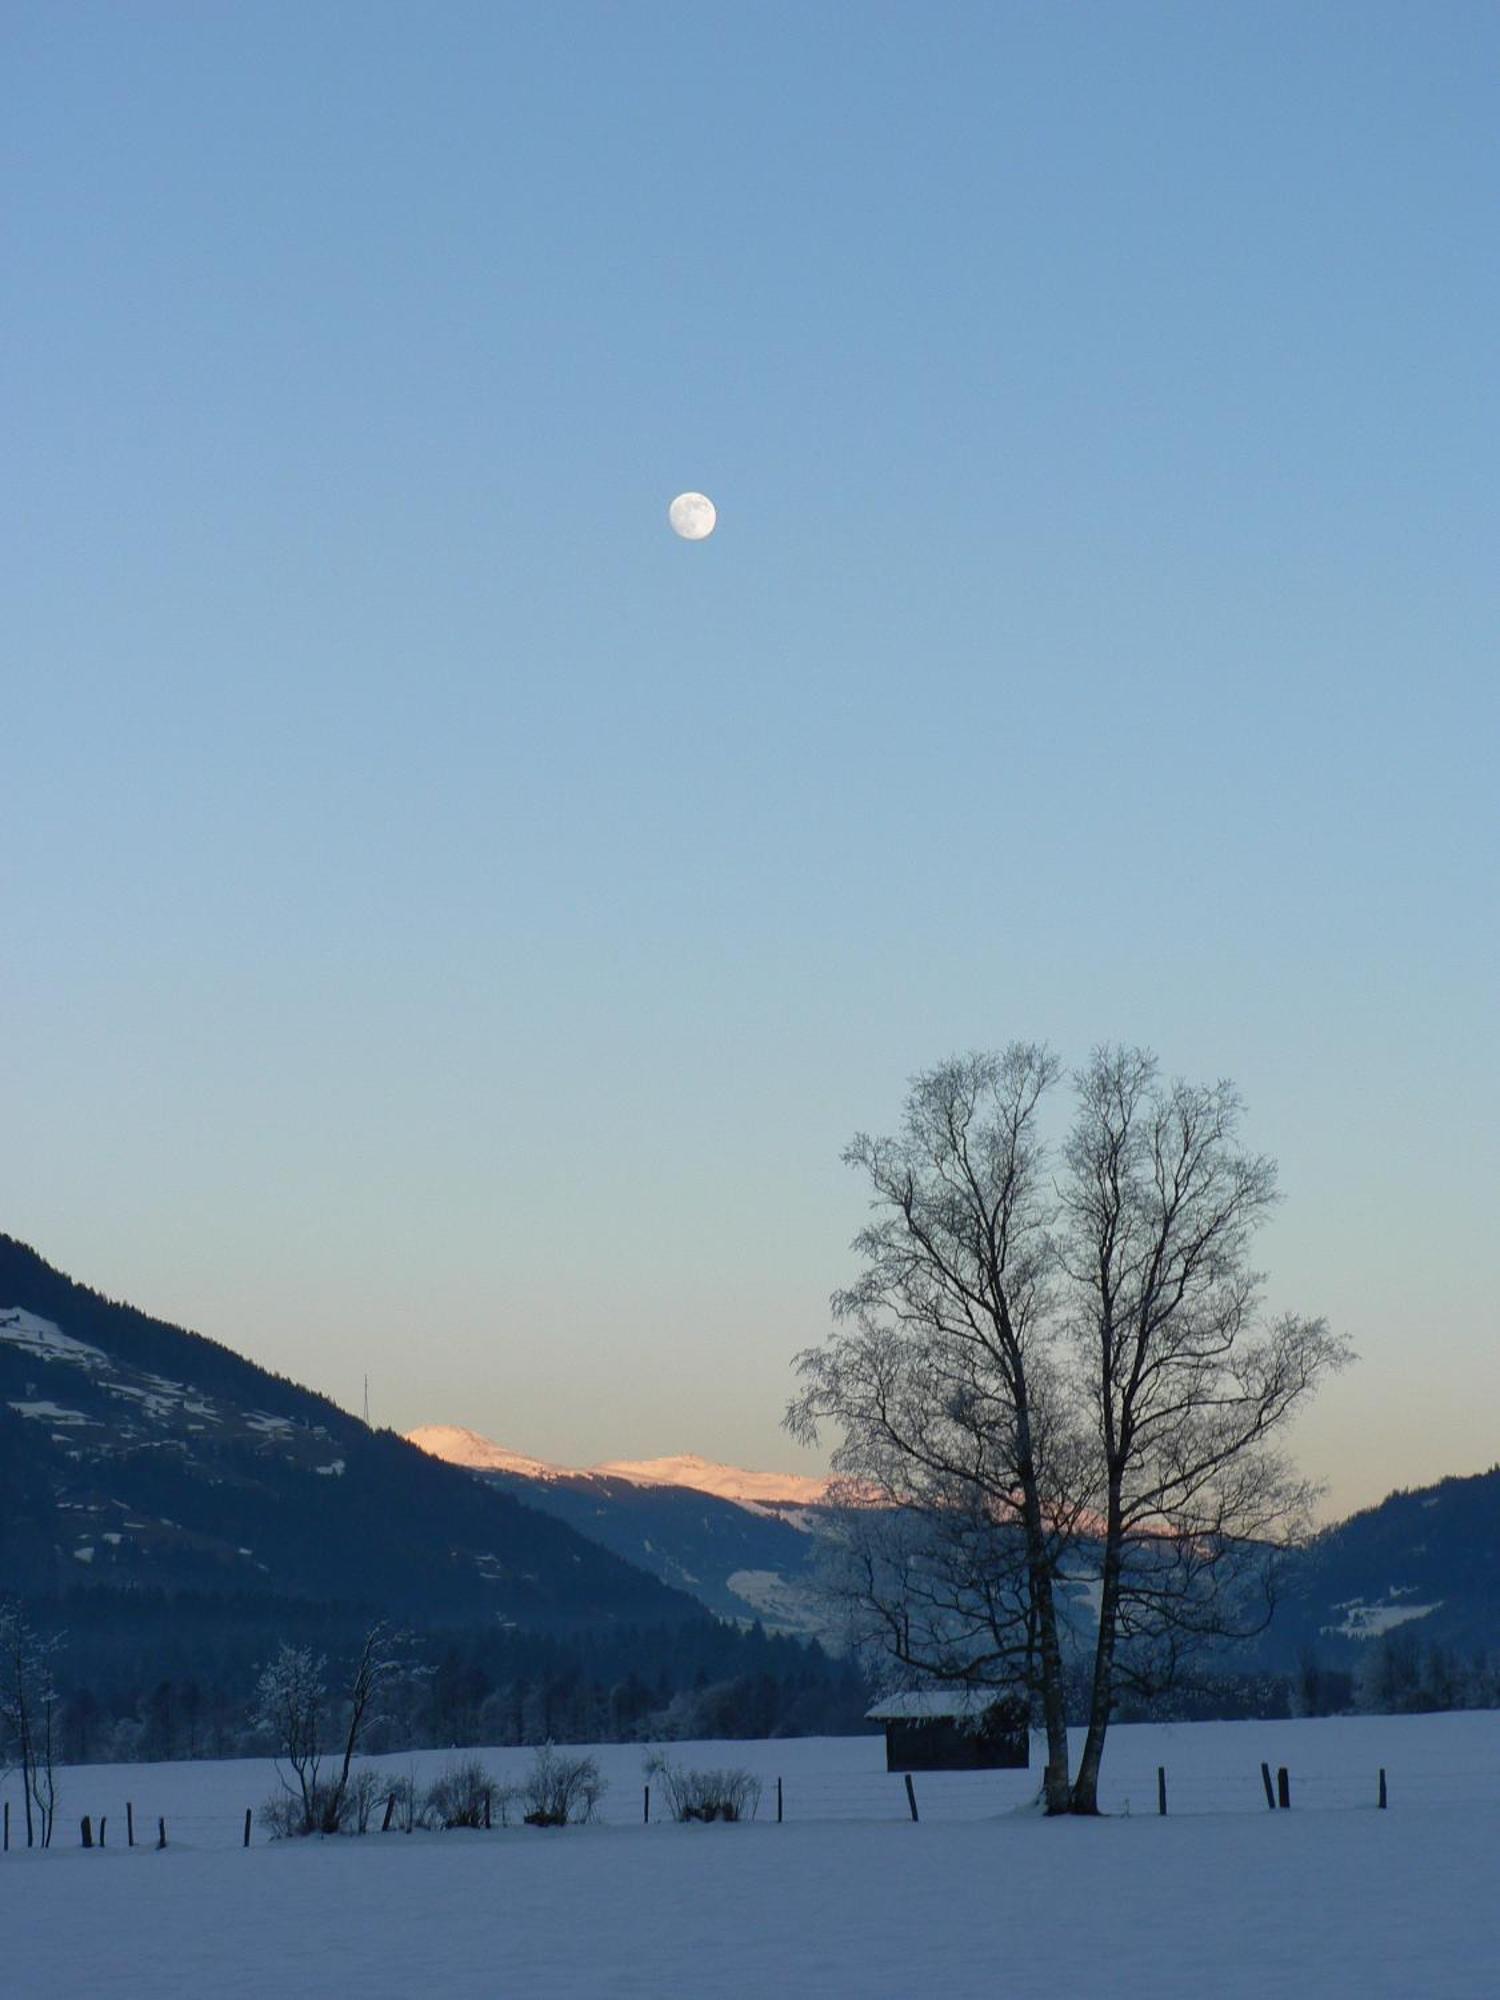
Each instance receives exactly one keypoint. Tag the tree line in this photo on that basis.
(458, 1688)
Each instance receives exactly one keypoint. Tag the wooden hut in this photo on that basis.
(954, 1729)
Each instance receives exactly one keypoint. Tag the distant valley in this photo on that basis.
(1424, 1563)
(743, 1543)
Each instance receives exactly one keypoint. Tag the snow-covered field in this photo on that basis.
(847, 1896)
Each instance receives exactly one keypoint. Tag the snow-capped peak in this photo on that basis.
(726, 1482)
(461, 1447)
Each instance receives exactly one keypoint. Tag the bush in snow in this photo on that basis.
(319, 1806)
(705, 1795)
(561, 1790)
(466, 1795)
(365, 1792)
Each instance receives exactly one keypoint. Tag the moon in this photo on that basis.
(693, 516)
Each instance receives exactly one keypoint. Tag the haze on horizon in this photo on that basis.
(451, 927)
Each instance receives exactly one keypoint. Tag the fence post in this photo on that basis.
(646, 1819)
(1265, 1778)
(1382, 1788)
(1161, 1789)
(778, 1801)
(161, 1835)
(129, 1824)
(103, 1823)
(88, 1832)
(7, 1826)
(248, 1811)
(486, 1808)
(1283, 1787)
(390, 1807)
(911, 1795)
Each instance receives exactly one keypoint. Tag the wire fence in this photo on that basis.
(877, 1797)
(830, 1797)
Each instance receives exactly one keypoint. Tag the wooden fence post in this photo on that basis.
(161, 1835)
(7, 1826)
(390, 1807)
(487, 1809)
(1265, 1778)
(646, 1820)
(103, 1823)
(88, 1832)
(778, 1801)
(1382, 1788)
(1161, 1789)
(911, 1795)
(248, 1812)
(1283, 1787)
(129, 1824)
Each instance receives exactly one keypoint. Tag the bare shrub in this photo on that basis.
(561, 1791)
(364, 1794)
(321, 1807)
(408, 1811)
(466, 1794)
(706, 1795)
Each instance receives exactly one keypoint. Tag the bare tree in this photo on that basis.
(940, 1375)
(291, 1706)
(28, 1716)
(378, 1663)
(1032, 1376)
(1188, 1388)
(290, 1697)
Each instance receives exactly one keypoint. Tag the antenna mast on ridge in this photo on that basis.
(367, 1402)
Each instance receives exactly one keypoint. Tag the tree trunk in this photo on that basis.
(1085, 1798)
(1054, 1703)
(28, 1773)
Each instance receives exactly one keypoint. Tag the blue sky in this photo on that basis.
(449, 927)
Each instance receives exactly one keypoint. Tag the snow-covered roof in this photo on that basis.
(934, 1704)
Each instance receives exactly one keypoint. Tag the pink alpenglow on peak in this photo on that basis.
(460, 1447)
(726, 1482)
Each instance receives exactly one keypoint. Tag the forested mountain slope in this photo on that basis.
(135, 1455)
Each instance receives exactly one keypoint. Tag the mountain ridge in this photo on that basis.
(139, 1456)
(740, 1542)
(459, 1446)
(1424, 1562)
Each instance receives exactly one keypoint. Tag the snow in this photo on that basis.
(920, 1703)
(793, 1606)
(333, 1471)
(155, 1402)
(24, 1329)
(726, 1482)
(848, 1897)
(54, 1412)
(1368, 1621)
(702, 1475)
(480, 1454)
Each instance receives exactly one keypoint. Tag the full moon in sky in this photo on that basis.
(693, 516)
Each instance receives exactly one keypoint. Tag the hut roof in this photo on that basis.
(935, 1704)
